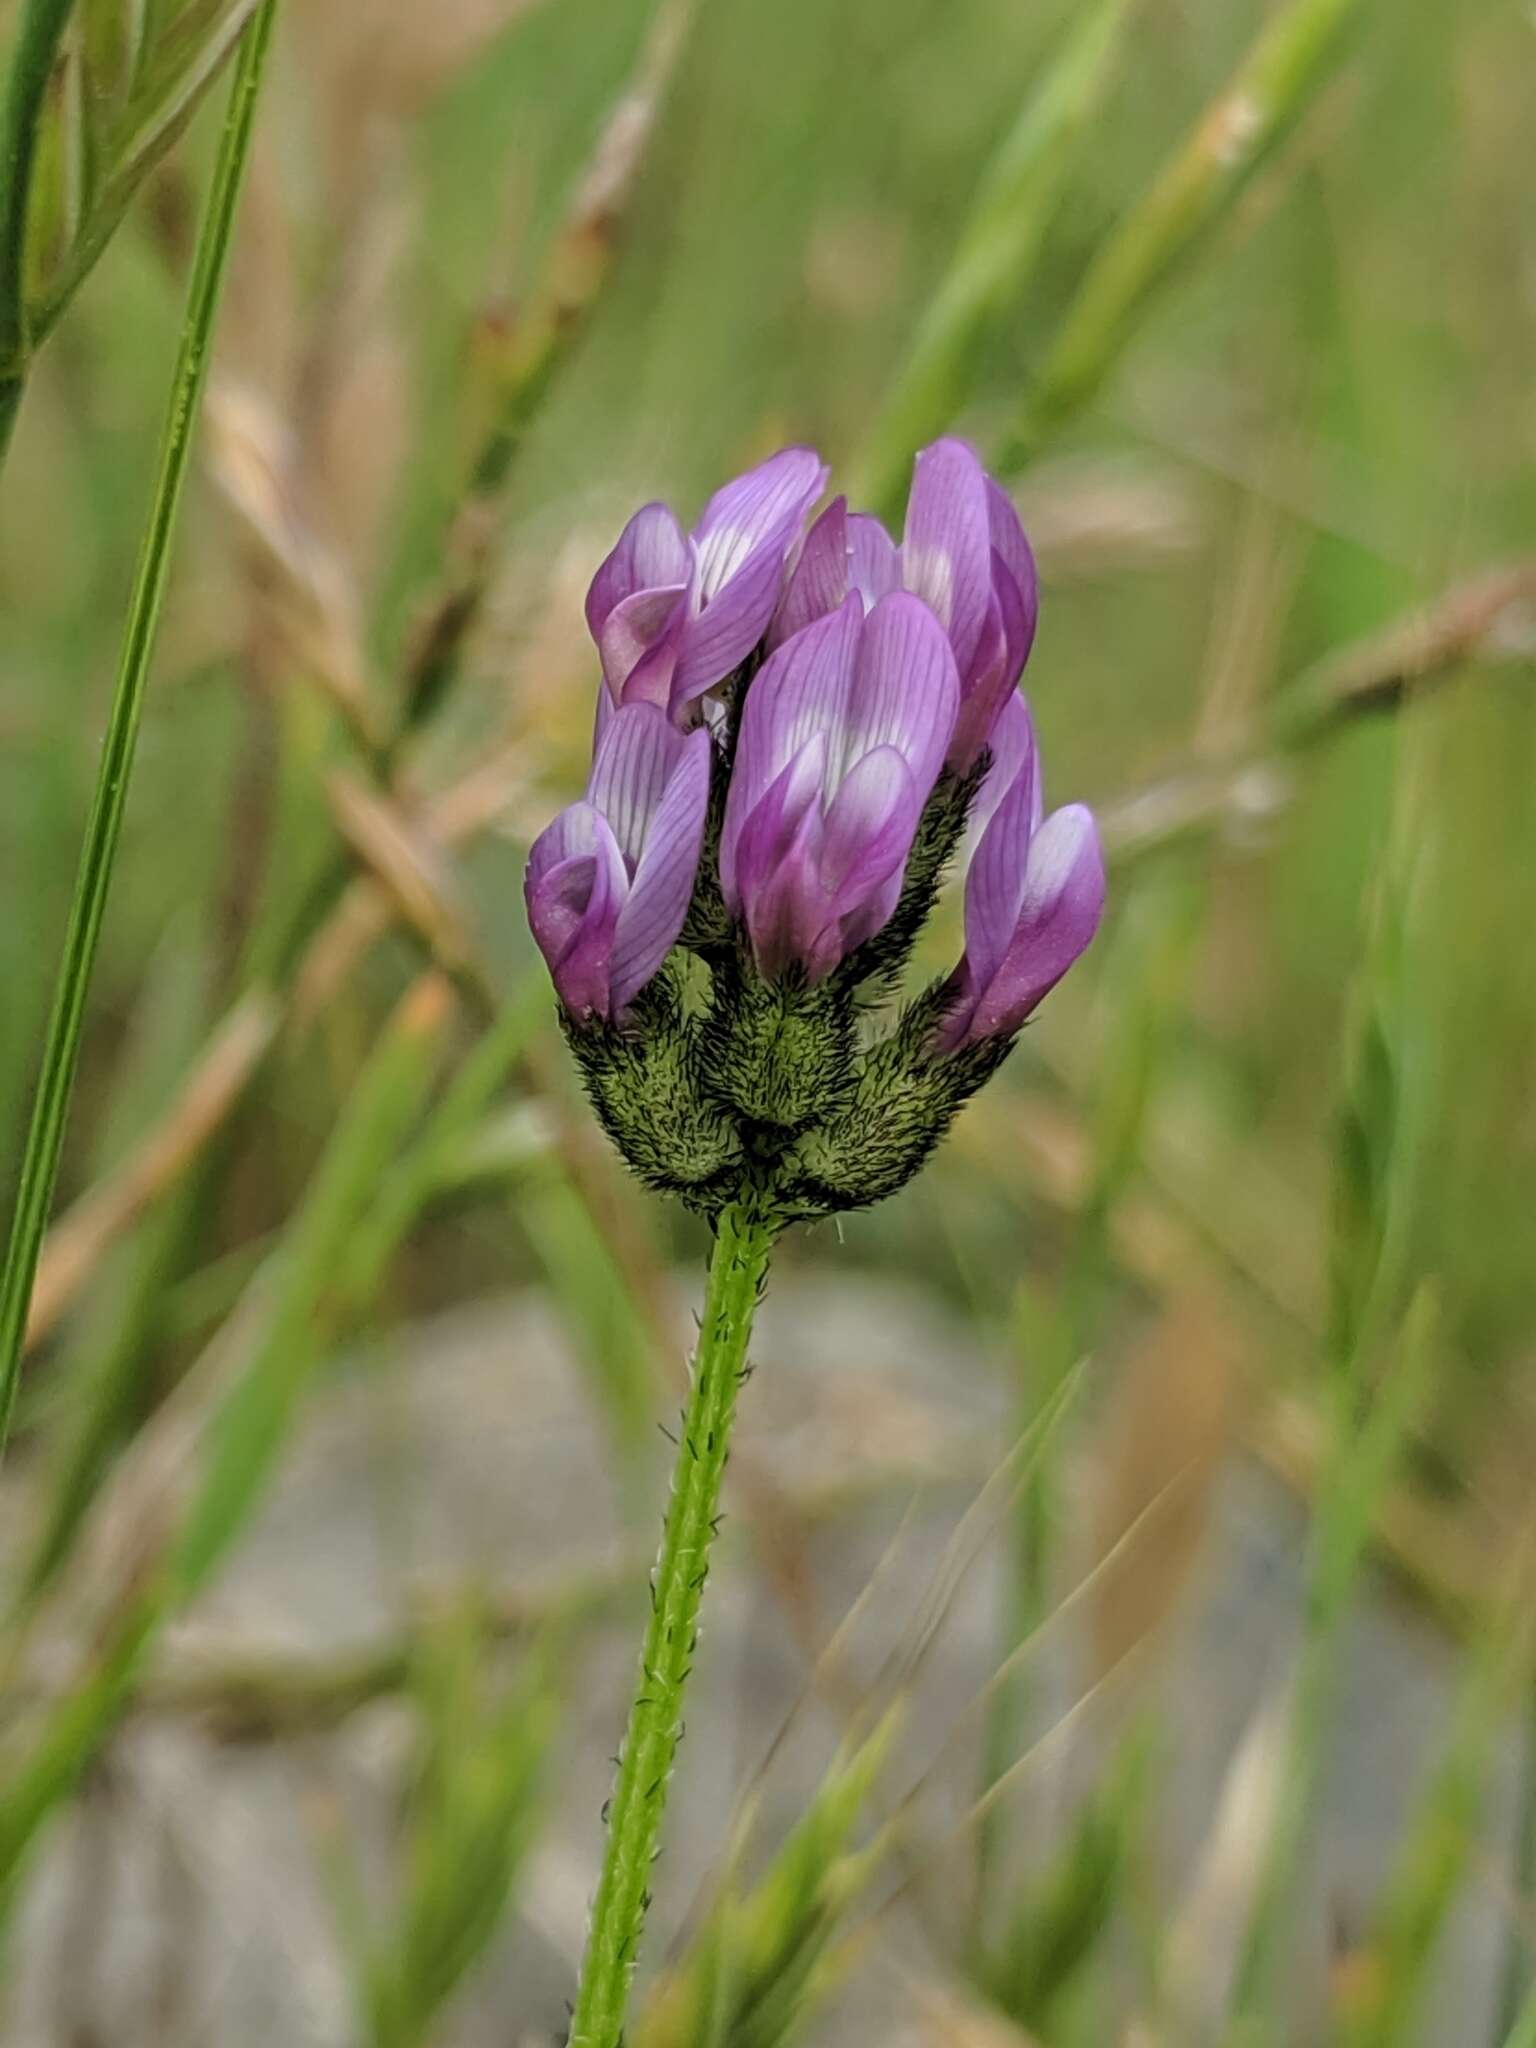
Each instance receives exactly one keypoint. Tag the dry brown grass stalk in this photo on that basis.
(399, 852)
(523, 355)
(77, 1241)
(1487, 618)
(1169, 1429)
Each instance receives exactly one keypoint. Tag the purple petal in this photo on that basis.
(869, 827)
(636, 642)
(946, 549)
(874, 567)
(996, 880)
(905, 690)
(776, 885)
(718, 639)
(996, 666)
(657, 905)
(765, 506)
(574, 888)
(651, 551)
(866, 838)
(802, 692)
(1014, 752)
(1020, 603)
(740, 546)
(1063, 900)
(634, 762)
(819, 581)
(1008, 538)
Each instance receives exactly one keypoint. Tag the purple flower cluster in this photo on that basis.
(885, 671)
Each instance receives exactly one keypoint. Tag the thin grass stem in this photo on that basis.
(245, 1433)
(45, 1137)
(37, 46)
(996, 259)
(1277, 81)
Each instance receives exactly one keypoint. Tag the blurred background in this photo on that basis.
(1122, 1630)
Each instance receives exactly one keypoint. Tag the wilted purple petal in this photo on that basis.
(650, 552)
(801, 693)
(946, 549)
(662, 882)
(905, 690)
(764, 507)
(818, 583)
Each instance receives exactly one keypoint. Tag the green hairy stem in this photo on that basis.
(743, 1243)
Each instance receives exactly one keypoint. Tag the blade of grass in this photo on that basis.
(1523, 2033)
(45, 1137)
(474, 1807)
(240, 1444)
(133, 106)
(999, 248)
(1366, 1462)
(37, 46)
(1285, 69)
(745, 1979)
(1444, 1838)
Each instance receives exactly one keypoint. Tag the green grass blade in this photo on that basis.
(999, 248)
(45, 1137)
(37, 45)
(1367, 1461)
(248, 1430)
(127, 95)
(246, 1434)
(1278, 80)
(1442, 1844)
(748, 1975)
(473, 1814)
(1523, 2032)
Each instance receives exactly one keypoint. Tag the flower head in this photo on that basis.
(673, 613)
(963, 552)
(1034, 893)
(609, 882)
(842, 739)
(794, 840)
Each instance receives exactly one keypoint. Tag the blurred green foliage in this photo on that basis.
(1305, 1040)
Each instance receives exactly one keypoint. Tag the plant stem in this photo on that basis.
(743, 1243)
(37, 44)
(45, 1136)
